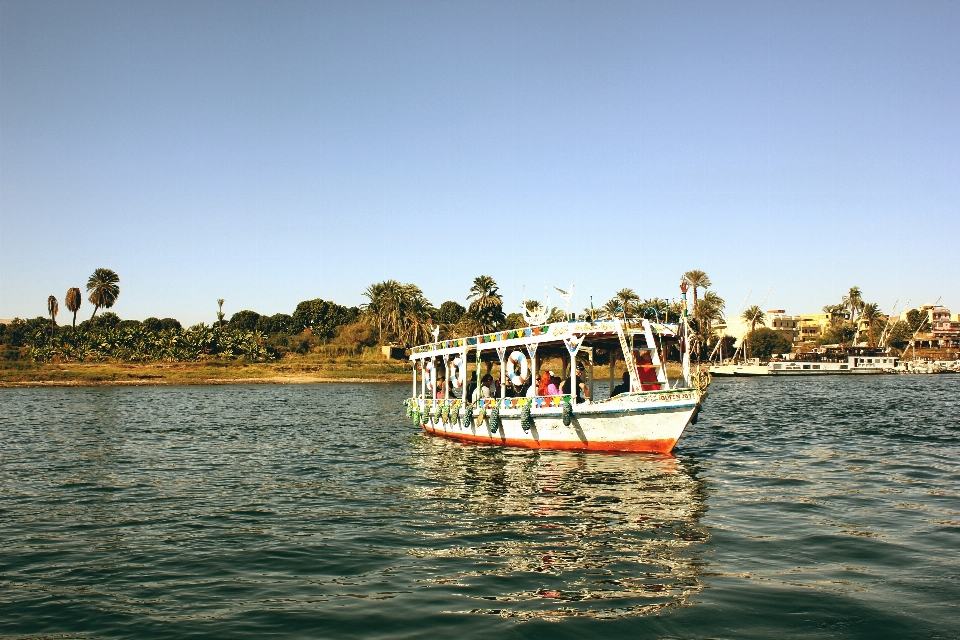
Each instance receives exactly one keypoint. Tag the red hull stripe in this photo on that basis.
(647, 446)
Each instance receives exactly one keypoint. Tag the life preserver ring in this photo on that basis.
(516, 379)
(456, 372)
(429, 375)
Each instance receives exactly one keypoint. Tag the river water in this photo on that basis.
(822, 508)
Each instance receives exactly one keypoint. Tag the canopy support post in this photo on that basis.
(613, 366)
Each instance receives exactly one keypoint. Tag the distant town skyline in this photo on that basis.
(269, 154)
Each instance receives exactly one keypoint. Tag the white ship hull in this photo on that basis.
(650, 421)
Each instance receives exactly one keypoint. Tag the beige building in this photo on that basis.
(811, 326)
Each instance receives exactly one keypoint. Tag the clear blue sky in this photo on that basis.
(269, 153)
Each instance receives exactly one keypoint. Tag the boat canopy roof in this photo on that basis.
(549, 338)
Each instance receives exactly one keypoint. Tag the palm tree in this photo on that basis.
(706, 312)
(384, 306)
(487, 305)
(696, 279)
(754, 316)
(103, 289)
(220, 302)
(52, 308)
(628, 300)
(853, 301)
(73, 301)
(871, 313)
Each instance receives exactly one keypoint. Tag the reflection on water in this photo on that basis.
(560, 533)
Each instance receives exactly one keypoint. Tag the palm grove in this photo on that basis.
(394, 313)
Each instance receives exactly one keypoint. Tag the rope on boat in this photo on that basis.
(567, 413)
(526, 420)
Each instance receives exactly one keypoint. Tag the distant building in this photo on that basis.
(944, 327)
(812, 326)
(778, 320)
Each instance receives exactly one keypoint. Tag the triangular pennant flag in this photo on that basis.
(573, 344)
(532, 350)
(501, 351)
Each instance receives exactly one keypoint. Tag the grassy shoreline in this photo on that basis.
(301, 370)
(21, 374)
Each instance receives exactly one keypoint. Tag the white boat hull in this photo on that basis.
(646, 421)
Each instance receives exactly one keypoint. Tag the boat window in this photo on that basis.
(806, 366)
(816, 366)
(843, 366)
(778, 366)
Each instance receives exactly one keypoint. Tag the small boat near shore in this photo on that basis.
(649, 416)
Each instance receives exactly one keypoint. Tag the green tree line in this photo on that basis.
(394, 313)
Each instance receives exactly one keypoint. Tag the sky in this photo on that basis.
(268, 153)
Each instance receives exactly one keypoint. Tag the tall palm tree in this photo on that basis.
(220, 302)
(487, 305)
(872, 314)
(628, 300)
(707, 311)
(754, 315)
(853, 301)
(103, 289)
(696, 279)
(73, 301)
(52, 308)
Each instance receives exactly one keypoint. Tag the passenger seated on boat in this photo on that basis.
(581, 386)
(484, 390)
(624, 387)
(647, 372)
(544, 383)
(439, 389)
(553, 389)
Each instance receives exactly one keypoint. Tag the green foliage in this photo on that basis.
(104, 289)
(322, 317)
(167, 324)
(919, 321)
(901, 333)
(514, 321)
(763, 342)
(840, 333)
(245, 320)
(106, 320)
(133, 341)
(277, 323)
(487, 305)
(450, 312)
(655, 309)
(356, 335)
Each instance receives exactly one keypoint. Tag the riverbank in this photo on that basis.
(19, 374)
(302, 370)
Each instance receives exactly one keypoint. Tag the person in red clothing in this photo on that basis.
(647, 372)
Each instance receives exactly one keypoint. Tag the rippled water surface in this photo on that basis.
(821, 507)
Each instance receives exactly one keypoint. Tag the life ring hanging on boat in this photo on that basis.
(517, 357)
(456, 372)
(429, 375)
